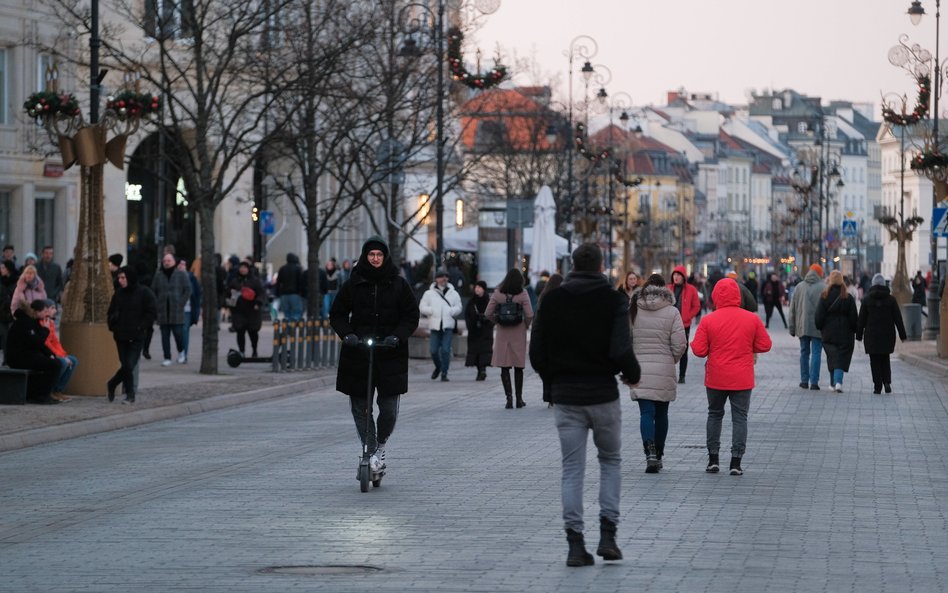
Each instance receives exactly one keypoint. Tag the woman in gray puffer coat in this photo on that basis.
(659, 341)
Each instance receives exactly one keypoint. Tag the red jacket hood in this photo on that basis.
(679, 270)
(726, 293)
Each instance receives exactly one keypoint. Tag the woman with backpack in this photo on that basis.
(510, 309)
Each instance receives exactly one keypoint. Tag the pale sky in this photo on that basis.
(834, 49)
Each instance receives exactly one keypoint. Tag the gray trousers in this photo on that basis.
(740, 404)
(573, 424)
(378, 432)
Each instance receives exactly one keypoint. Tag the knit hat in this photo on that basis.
(732, 274)
(30, 256)
(38, 305)
(818, 269)
(441, 274)
(878, 280)
(116, 259)
(375, 242)
(482, 284)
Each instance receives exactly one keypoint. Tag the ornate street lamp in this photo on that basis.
(580, 47)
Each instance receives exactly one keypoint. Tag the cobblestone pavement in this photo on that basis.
(842, 492)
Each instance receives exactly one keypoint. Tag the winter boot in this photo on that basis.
(518, 385)
(651, 458)
(578, 556)
(660, 452)
(735, 469)
(713, 466)
(607, 541)
(508, 388)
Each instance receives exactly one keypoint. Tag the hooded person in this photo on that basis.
(375, 302)
(803, 306)
(729, 337)
(879, 319)
(688, 304)
(480, 331)
(132, 312)
(748, 300)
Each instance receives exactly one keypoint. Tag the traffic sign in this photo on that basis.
(849, 228)
(266, 222)
(940, 222)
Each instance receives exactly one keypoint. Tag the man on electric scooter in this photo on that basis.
(376, 302)
(580, 342)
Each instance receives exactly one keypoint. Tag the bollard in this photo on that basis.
(275, 358)
(912, 316)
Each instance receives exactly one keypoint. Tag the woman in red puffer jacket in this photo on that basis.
(689, 305)
(729, 337)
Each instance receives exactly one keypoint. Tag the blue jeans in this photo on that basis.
(810, 350)
(292, 305)
(653, 422)
(441, 349)
(65, 372)
(573, 424)
(740, 404)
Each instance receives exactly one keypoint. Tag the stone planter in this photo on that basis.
(93, 345)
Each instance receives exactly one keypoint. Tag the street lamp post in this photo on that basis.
(916, 11)
(585, 47)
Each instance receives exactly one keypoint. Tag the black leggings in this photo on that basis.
(769, 310)
(378, 432)
(241, 340)
(881, 370)
(683, 363)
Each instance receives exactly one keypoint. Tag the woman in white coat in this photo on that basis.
(658, 340)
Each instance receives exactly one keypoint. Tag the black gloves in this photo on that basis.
(390, 341)
(350, 340)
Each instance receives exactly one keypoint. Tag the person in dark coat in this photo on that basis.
(552, 282)
(290, 288)
(919, 286)
(772, 294)
(879, 319)
(480, 331)
(376, 302)
(8, 278)
(247, 314)
(132, 312)
(837, 320)
(26, 349)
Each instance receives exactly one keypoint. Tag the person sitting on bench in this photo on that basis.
(26, 349)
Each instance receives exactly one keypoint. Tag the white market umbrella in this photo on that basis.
(543, 250)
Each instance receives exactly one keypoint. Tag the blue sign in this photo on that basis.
(849, 228)
(266, 222)
(940, 222)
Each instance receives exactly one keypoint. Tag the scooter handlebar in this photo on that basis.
(373, 342)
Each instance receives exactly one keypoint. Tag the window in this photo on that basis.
(4, 217)
(45, 68)
(3, 86)
(168, 19)
(802, 128)
(45, 214)
(777, 104)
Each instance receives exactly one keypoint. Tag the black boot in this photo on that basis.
(578, 556)
(713, 466)
(607, 541)
(735, 469)
(112, 385)
(660, 452)
(481, 374)
(651, 458)
(508, 388)
(518, 385)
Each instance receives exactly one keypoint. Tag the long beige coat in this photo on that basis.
(510, 342)
(658, 340)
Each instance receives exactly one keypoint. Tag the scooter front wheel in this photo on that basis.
(364, 477)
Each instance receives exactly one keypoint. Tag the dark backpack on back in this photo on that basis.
(509, 313)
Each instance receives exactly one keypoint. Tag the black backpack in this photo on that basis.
(509, 313)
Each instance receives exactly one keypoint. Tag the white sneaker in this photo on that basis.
(375, 464)
(380, 453)
(839, 388)
(166, 362)
(182, 358)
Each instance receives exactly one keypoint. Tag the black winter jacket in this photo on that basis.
(378, 304)
(132, 311)
(580, 341)
(879, 318)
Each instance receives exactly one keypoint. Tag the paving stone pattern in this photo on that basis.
(842, 492)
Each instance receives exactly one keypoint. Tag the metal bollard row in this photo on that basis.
(304, 345)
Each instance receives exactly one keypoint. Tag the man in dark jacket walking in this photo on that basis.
(132, 312)
(580, 342)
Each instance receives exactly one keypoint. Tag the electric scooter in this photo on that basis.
(365, 474)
